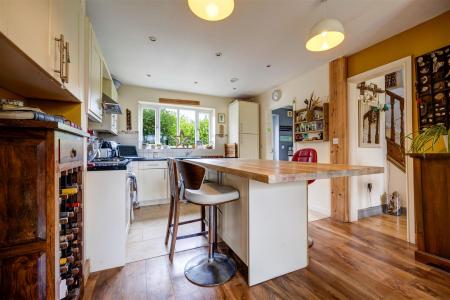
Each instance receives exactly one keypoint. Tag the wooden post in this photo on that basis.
(338, 124)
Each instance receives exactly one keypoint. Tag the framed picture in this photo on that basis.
(289, 113)
(221, 118)
(369, 126)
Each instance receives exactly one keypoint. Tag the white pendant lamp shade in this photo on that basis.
(211, 10)
(325, 35)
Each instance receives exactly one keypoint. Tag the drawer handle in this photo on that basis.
(73, 153)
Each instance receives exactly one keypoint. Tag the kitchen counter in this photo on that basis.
(267, 227)
(270, 171)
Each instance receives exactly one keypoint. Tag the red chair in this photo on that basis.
(307, 155)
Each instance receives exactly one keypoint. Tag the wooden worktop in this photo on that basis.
(270, 171)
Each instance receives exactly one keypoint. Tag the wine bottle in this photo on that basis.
(62, 261)
(64, 245)
(63, 220)
(75, 271)
(67, 237)
(66, 214)
(63, 269)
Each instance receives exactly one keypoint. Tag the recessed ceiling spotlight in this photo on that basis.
(234, 88)
(148, 75)
(195, 82)
(152, 38)
(219, 54)
(268, 66)
(234, 79)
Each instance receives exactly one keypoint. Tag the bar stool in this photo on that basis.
(173, 221)
(214, 268)
(308, 155)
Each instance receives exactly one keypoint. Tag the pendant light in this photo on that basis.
(325, 34)
(211, 10)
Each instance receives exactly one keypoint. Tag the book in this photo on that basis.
(9, 107)
(29, 115)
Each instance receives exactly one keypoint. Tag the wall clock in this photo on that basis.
(276, 95)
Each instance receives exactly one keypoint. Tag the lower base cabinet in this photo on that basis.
(153, 182)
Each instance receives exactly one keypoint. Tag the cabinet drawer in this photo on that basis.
(70, 148)
(143, 165)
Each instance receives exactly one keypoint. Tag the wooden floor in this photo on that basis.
(346, 261)
(391, 225)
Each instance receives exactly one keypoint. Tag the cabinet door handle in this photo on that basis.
(60, 42)
(67, 62)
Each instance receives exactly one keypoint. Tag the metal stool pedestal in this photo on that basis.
(213, 268)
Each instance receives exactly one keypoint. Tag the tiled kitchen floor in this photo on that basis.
(147, 232)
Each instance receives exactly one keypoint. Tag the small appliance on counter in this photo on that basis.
(112, 146)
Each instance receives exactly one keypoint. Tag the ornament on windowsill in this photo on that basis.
(369, 94)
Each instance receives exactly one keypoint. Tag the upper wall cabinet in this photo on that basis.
(27, 24)
(48, 31)
(95, 75)
(65, 43)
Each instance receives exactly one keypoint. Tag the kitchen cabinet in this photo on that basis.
(153, 183)
(95, 75)
(65, 32)
(27, 23)
(109, 90)
(33, 26)
(109, 124)
(243, 120)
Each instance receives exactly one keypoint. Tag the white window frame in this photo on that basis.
(157, 107)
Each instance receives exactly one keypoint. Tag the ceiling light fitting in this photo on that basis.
(219, 54)
(325, 34)
(152, 38)
(211, 10)
(268, 66)
(234, 79)
(148, 75)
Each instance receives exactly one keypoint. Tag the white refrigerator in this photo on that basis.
(243, 120)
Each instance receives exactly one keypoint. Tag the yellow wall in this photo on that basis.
(423, 38)
(69, 110)
(416, 41)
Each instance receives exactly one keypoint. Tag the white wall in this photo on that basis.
(359, 194)
(129, 97)
(300, 88)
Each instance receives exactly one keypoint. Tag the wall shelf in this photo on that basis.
(315, 130)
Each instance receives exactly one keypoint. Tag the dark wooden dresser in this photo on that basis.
(41, 167)
(432, 208)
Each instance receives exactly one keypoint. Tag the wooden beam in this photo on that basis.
(179, 102)
(338, 123)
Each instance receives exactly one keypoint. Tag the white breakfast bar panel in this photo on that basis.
(266, 227)
(278, 234)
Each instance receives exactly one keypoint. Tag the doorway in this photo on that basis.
(282, 136)
(383, 202)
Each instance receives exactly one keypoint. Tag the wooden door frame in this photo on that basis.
(404, 64)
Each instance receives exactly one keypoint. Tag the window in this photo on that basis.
(175, 126)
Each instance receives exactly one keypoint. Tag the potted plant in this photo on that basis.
(428, 138)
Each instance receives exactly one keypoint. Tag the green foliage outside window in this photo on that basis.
(203, 128)
(168, 119)
(149, 125)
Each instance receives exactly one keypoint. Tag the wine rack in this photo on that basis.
(70, 234)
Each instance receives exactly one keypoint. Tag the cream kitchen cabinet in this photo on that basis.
(66, 28)
(153, 183)
(109, 124)
(95, 75)
(27, 24)
(34, 26)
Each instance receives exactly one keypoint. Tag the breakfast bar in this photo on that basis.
(267, 228)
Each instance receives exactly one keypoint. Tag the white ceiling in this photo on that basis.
(259, 32)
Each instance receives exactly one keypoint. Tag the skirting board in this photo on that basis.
(374, 211)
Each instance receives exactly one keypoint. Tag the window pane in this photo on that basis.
(149, 125)
(168, 119)
(187, 127)
(203, 128)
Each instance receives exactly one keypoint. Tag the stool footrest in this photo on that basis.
(180, 237)
(189, 222)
